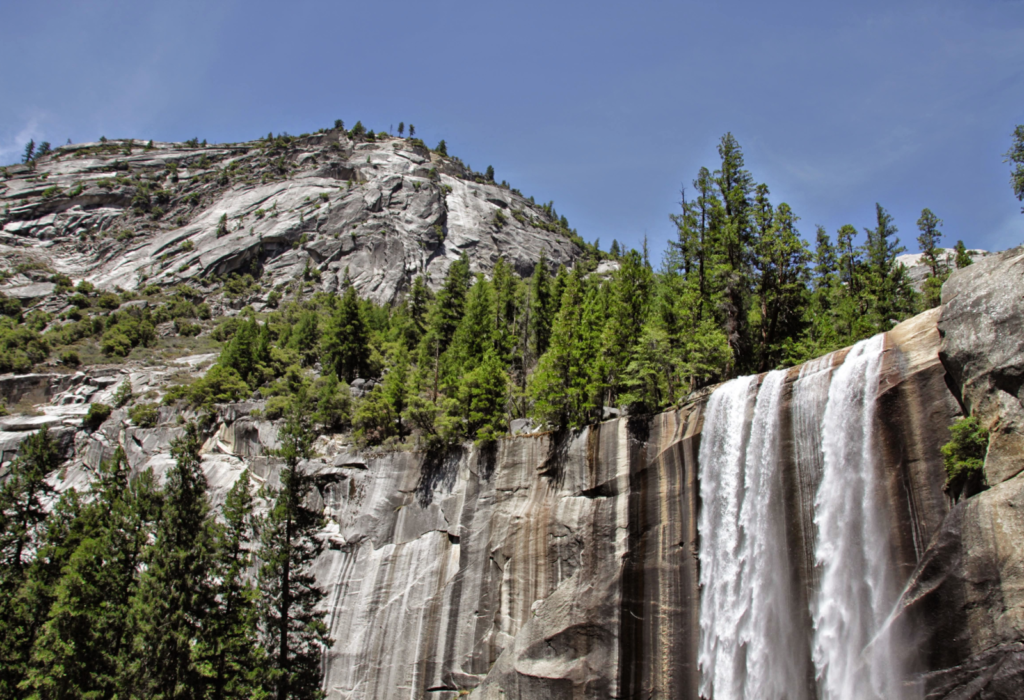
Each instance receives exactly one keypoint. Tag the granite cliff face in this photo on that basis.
(557, 566)
(121, 214)
(560, 566)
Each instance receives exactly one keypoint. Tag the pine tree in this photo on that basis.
(444, 318)
(412, 130)
(30, 152)
(962, 258)
(23, 497)
(401, 128)
(84, 644)
(564, 388)
(232, 659)
(734, 184)
(1015, 156)
(345, 343)
(441, 148)
(292, 630)
(631, 288)
(544, 303)
(781, 274)
(175, 593)
(490, 173)
(886, 281)
(928, 241)
(305, 338)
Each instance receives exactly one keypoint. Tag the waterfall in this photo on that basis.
(852, 657)
(761, 637)
(745, 609)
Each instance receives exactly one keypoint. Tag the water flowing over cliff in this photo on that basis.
(760, 636)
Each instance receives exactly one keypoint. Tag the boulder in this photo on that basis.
(982, 326)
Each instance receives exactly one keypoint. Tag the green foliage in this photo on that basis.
(144, 415)
(124, 394)
(221, 384)
(1015, 156)
(964, 457)
(291, 627)
(344, 345)
(20, 347)
(70, 358)
(962, 258)
(441, 148)
(125, 332)
(98, 413)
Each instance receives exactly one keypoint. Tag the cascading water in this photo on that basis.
(758, 637)
(852, 654)
(745, 603)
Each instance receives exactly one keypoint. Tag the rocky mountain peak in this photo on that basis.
(311, 209)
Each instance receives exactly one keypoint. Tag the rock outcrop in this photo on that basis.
(966, 597)
(312, 209)
(983, 348)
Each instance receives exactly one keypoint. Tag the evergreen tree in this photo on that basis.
(630, 296)
(401, 128)
(781, 286)
(175, 593)
(544, 305)
(23, 497)
(961, 257)
(305, 337)
(292, 630)
(563, 387)
(734, 184)
(442, 148)
(928, 241)
(442, 322)
(419, 305)
(886, 282)
(474, 336)
(30, 152)
(345, 343)
(84, 645)
(412, 130)
(490, 173)
(233, 661)
(1015, 156)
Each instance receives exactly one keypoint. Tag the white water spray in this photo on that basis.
(758, 640)
(852, 654)
(747, 630)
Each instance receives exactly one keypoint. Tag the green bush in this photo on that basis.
(70, 358)
(79, 300)
(144, 415)
(123, 394)
(98, 412)
(186, 328)
(125, 332)
(109, 301)
(964, 456)
(10, 306)
(20, 347)
(220, 385)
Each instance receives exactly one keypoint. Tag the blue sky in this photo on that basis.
(605, 108)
